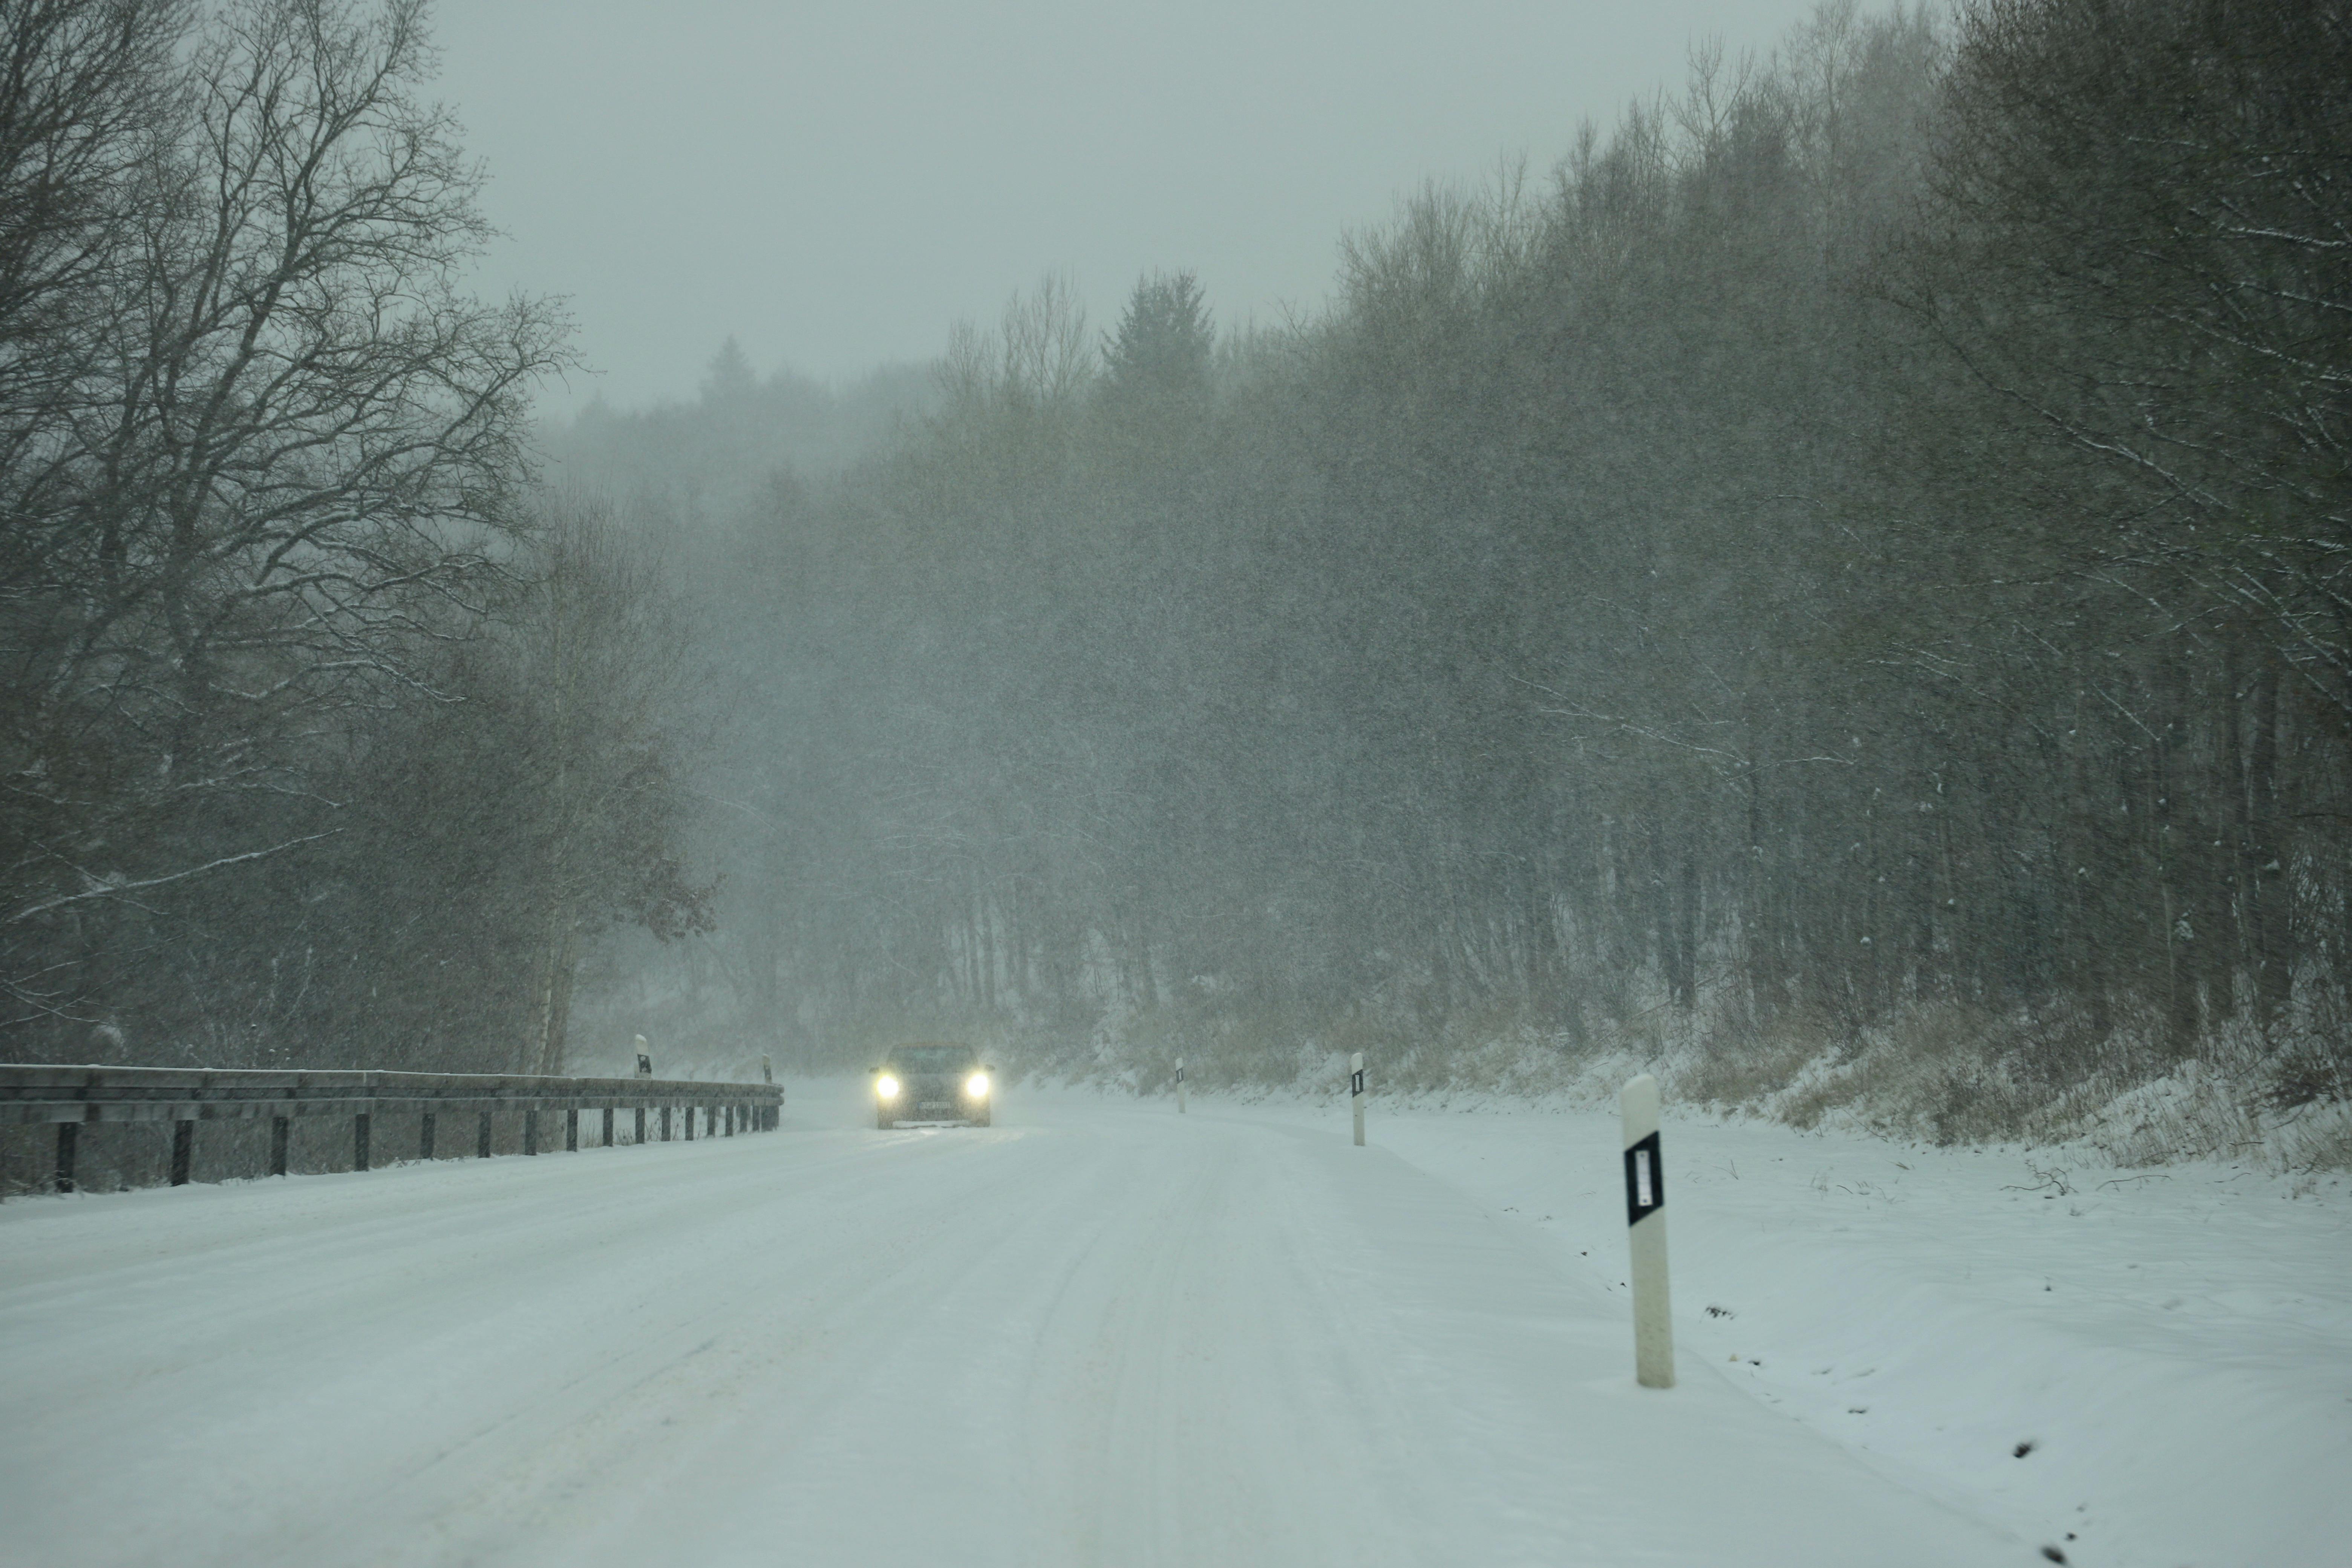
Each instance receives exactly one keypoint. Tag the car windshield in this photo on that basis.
(930, 1058)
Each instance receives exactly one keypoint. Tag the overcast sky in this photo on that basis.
(834, 183)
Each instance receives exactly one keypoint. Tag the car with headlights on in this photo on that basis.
(931, 1082)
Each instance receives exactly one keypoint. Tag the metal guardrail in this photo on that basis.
(74, 1097)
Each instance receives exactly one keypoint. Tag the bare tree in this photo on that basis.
(284, 465)
(600, 662)
(2139, 235)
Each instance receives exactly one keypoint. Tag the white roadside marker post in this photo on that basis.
(1645, 1222)
(1180, 1086)
(645, 1059)
(1356, 1093)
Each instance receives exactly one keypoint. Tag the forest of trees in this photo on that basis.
(329, 737)
(1853, 565)
(1857, 558)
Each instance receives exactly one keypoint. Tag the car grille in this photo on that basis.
(930, 1098)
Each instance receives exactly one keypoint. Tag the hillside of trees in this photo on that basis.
(1841, 586)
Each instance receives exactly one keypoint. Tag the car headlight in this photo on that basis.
(976, 1086)
(885, 1088)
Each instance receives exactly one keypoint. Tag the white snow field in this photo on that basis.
(1098, 1333)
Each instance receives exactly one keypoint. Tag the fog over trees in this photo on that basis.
(1849, 568)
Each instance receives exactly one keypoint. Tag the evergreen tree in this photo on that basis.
(1162, 347)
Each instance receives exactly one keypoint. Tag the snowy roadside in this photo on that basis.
(2171, 1350)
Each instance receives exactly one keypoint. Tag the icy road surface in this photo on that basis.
(1093, 1334)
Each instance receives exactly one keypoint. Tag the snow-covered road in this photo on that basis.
(1096, 1333)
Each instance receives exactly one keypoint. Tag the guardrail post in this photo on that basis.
(1645, 1223)
(689, 1124)
(69, 1142)
(664, 1123)
(530, 1130)
(360, 1142)
(183, 1150)
(1356, 1093)
(482, 1138)
(571, 1130)
(641, 1124)
(608, 1127)
(281, 1128)
(425, 1136)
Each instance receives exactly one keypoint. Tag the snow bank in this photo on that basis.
(2139, 1369)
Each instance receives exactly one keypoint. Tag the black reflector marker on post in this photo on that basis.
(1356, 1093)
(1645, 1221)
